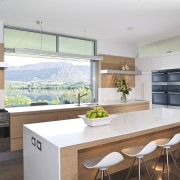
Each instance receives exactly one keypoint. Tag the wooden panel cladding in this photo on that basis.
(127, 108)
(16, 144)
(71, 114)
(115, 63)
(84, 173)
(17, 122)
(1, 70)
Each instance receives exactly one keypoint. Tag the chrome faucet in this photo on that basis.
(80, 95)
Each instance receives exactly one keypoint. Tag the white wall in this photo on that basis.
(160, 47)
(116, 48)
(1, 32)
(1, 41)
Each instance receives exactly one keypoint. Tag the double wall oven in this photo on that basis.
(166, 88)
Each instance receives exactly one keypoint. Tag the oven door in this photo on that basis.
(174, 99)
(159, 76)
(160, 98)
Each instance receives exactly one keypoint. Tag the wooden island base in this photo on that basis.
(71, 166)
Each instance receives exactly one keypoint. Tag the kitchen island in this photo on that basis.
(36, 114)
(55, 150)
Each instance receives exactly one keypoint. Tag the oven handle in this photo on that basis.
(157, 92)
(174, 93)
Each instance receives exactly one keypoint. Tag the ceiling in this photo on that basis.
(135, 22)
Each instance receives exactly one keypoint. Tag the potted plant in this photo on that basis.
(122, 86)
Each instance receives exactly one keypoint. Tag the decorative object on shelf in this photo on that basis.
(123, 68)
(122, 86)
(126, 67)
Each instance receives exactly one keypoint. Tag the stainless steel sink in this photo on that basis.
(86, 104)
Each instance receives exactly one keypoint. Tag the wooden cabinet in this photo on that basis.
(17, 120)
(115, 109)
(71, 114)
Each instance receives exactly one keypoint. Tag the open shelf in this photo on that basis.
(108, 71)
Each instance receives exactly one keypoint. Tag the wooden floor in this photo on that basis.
(13, 170)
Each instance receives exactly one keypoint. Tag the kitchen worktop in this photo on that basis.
(73, 132)
(70, 106)
(59, 147)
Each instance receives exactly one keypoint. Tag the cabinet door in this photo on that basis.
(143, 87)
(115, 109)
(16, 126)
(71, 114)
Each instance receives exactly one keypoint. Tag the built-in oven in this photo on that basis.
(174, 75)
(4, 131)
(174, 95)
(159, 95)
(159, 76)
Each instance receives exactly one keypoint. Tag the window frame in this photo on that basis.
(93, 64)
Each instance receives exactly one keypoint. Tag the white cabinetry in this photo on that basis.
(143, 83)
(143, 87)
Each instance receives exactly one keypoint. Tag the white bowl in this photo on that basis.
(96, 121)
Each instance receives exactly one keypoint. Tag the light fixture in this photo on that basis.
(51, 54)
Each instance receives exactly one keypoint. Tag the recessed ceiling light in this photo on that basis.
(129, 28)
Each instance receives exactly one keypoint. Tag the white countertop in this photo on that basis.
(69, 106)
(72, 132)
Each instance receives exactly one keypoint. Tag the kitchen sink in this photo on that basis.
(87, 104)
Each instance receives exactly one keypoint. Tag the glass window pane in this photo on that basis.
(76, 46)
(30, 40)
(31, 80)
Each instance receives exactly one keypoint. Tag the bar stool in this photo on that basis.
(165, 144)
(138, 152)
(103, 162)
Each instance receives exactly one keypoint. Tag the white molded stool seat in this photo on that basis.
(165, 144)
(138, 152)
(103, 162)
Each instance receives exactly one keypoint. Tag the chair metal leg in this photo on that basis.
(167, 161)
(178, 152)
(139, 168)
(102, 174)
(174, 161)
(157, 160)
(130, 169)
(96, 174)
(107, 175)
(146, 168)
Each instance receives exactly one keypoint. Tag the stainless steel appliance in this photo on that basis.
(159, 96)
(166, 88)
(4, 131)
(159, 76)
(174, 95)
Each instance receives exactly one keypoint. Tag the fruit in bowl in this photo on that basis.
(97, 112)
(97, 116)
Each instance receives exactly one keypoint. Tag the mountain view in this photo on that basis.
(49, 71)
(51, 82)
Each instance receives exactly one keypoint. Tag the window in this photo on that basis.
(55, 81)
